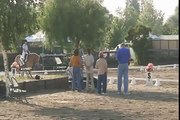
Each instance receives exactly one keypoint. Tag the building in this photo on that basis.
(165, 49)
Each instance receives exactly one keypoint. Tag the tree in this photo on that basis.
(140, 43)
(150, 17)
(17, 18)
(127, 19)
(131, 14)
(115, 34)
(79, 20)
(171, 27)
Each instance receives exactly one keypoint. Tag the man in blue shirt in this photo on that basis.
(123, 56)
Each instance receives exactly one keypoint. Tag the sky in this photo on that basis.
(166, 6)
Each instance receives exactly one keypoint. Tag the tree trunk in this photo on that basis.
(6, 68)
(77, 44)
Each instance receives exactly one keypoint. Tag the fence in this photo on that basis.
(142, 68)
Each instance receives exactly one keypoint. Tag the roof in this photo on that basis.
(169, 37)
(37, 37)
(166, 37)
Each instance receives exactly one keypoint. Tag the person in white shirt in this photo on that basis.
(88, 63)
(25, 51)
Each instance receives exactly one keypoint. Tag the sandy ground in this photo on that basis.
(144, 102)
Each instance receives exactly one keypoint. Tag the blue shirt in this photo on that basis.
(123, 55)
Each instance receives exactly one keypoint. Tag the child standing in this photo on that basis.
(101, 65)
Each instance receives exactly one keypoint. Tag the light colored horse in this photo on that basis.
(32, 59)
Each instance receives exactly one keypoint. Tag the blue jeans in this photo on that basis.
(123, 72)
(77, 79)
(102, 83)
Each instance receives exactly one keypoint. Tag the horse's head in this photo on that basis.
(17, 59)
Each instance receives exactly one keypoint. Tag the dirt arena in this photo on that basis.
(144, 102)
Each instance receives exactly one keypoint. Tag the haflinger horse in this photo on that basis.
(32, 59)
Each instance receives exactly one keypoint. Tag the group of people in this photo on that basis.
(77, 63)
(87, 61)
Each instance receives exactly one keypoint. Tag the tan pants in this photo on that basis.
(89, 81)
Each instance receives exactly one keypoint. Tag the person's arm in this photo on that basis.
(28, 50)
(23, 48)
(80, 62)
(84, 61)
(117, 55)
(129, 54)
(70, 62)
(106, 66)
(130, 59)
(96, 65)
(92, 60)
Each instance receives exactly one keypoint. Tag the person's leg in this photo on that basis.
(120, 72)
(22, 59)
(74, 78)
(87, 81)
(126, 78)
(92, 81)
(82, 79)
(26, 56)
(99, 83)
(104, 82)
(23, 56)
(79, 79)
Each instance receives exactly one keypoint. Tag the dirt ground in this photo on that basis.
(144, 102)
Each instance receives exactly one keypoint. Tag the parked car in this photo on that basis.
(69, 72)
(131, 50)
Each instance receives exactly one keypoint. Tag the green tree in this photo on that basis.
(140, 43)
(82, 21)
(131, 14)
(120, 25)
(17, 18)
(115, 34)
(150, 17)
(171, 26)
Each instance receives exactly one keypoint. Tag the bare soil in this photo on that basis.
(144, 102)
